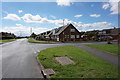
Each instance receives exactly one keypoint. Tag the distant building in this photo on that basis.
(63, 33)
(110, 32)
(5, 35)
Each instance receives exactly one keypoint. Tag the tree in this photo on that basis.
(33, 35)
(89, 34)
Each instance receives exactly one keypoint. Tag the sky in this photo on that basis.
(20, 17)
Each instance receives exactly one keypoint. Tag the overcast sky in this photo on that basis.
(19, 17)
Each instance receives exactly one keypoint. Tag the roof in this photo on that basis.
(57, 31)
(61, 29)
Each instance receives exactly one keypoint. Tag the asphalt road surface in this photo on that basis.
(18, 58)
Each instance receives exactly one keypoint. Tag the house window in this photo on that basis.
(72, 36)
(77, 36)
(104, 32)
(66, 36)
(72, 30)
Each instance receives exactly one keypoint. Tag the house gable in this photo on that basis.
(70, 27)
(68, 35)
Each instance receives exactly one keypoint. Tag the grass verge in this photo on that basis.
(7, 40)
(85, 65)
(32, 41)
(112, 48)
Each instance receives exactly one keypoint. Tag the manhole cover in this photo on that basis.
(64, 60)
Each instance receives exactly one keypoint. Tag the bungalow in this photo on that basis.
(63, 33)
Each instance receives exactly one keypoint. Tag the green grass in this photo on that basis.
(112, 48)
(7, 40)
(85, 65)
(32, 41)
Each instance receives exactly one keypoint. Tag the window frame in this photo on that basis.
(77, 36)
(72, 30)
(72, 36)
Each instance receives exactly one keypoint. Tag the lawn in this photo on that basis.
(85, 65)
(7, 40)
(33, 41)
(112, 48)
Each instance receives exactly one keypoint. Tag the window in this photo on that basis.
(66, 36)
(77, 36)
(72, 36)
(72, 30)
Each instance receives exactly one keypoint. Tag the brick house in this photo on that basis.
(63, 33)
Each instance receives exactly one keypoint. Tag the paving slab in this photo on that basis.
(49, 71)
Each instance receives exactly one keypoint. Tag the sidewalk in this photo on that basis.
(101, 54)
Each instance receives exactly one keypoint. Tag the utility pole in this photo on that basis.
(63, 21)
(30, 30)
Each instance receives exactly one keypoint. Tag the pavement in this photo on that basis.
(19, 61)
(109, 57)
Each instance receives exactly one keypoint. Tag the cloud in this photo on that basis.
(64, 2)
(105, 6)
(95, 26)
(95, 15)
(34, 19)
(78, 15)
(19, 25)
(12, 17)
(23, 30)
(59, 22)
(20, 11)
(114, 7)
(29, 18)
(54, 17)
(113, 4)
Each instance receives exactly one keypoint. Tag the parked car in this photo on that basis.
(105, 38)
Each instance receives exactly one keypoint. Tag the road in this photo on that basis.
(18, 58)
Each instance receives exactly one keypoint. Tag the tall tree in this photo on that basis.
(33, 35)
